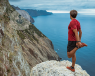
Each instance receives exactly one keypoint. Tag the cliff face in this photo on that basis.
(22, 46)
(56, 68)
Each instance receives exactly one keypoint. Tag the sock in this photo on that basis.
(72, 67)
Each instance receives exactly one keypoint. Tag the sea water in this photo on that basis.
(55, 27)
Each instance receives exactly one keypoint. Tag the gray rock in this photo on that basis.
(25, 15)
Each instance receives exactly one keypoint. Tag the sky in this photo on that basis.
(56, 5)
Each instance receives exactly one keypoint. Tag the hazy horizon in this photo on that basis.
(82, 6)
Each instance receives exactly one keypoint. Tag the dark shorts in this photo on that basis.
(71, 45)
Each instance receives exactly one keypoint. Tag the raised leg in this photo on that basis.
(72, 52)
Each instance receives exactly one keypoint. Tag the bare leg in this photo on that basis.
(73, 60)
(72, 52)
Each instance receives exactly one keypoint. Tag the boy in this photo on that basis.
(74, 40)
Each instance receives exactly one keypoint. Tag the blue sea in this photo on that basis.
(55, 27)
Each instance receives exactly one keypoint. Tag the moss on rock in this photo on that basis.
(20, 35)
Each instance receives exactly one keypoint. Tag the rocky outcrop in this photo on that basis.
(24, 14)
(35, 13)
(57, 68)
(22, 45)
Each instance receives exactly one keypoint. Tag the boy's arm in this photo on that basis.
(77, 37)
(76, 34)
(74, 28)
(80, 34)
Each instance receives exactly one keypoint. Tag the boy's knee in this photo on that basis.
(69, 56)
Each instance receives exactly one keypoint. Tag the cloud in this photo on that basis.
(54, 4)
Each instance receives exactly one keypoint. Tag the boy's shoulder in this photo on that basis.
(74, 21)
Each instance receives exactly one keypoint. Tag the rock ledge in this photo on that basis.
(57, 68)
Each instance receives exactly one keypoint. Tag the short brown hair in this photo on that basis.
(73, 13)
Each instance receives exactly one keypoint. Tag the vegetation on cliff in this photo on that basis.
(29, 33)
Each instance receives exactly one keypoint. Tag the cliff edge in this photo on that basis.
(57, 68)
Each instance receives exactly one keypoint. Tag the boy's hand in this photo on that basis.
(79, 44)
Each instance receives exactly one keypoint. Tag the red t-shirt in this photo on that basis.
(74, 24)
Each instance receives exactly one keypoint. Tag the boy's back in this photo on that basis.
(74, 24)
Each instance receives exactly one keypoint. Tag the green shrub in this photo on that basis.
(26, 30)
(20, 35)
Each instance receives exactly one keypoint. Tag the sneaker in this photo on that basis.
(70, 68)
(83, 44)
